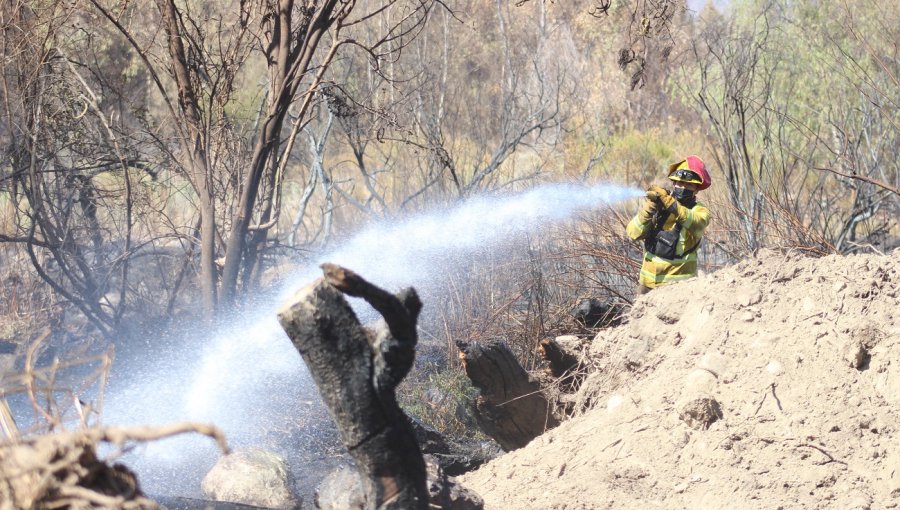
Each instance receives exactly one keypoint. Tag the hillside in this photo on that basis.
(798, 356)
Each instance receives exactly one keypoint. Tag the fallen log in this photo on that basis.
(357, 371)
(511, 408)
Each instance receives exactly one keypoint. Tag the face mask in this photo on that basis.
(683, 195)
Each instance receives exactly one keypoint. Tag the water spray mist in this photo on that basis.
(247, 377)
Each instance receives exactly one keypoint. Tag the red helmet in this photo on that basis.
(695, 172)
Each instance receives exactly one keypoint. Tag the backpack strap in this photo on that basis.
(695, 248)
(650, 240)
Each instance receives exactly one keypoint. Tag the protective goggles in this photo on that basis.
(685, 176)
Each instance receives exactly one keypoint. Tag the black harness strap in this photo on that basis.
(650, 242)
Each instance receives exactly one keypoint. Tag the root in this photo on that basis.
(62, 470)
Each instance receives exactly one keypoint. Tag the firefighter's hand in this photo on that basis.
(662, 197)
(648, 209)
(654, 193)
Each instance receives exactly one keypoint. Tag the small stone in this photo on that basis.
(680, 487)
(700, 382)
(681, 438)
(895, 491)
(860, 502)
(856, 355)
(561, 470)
(748, 316)
(809, 304)
(614, 402)
(700, 413)
(751, 298)
(714, 362)
(774, 368)
(839, 286)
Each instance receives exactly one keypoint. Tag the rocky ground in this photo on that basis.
(774, 383)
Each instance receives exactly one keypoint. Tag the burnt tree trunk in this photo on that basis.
(357, 371)
(566, 360)
(511, 408)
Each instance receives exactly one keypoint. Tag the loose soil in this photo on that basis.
(773, 383)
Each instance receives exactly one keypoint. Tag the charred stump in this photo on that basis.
(511, 408)
(566, 360)
(357, 371)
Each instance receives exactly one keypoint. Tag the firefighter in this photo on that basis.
(671, 225)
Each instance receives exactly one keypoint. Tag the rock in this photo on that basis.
(774, 368)
(681, 438)
(614, 402)
(700, 382)
(856, 355)
(636, 352)
(700, 413)
(714, 362)
(567, 338)
(859, 502)
(751, 298)
(251, 477)
(444, 492)
(342, 490)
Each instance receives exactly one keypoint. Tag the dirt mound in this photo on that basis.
(774, 383)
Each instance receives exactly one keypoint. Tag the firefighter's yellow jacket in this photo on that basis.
(656, 271)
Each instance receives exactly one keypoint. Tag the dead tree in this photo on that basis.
(357, 371)
(511, 408)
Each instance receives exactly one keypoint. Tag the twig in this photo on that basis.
(610, 445)
(120, 435)
(758, 407)
(777, 401)
(823, 452)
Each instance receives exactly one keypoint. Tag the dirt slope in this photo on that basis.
(802, 356)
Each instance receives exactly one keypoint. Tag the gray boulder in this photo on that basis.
(341, 490)
(251, 477)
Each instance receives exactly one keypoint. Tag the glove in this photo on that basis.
(662, 197)
(648, 209)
